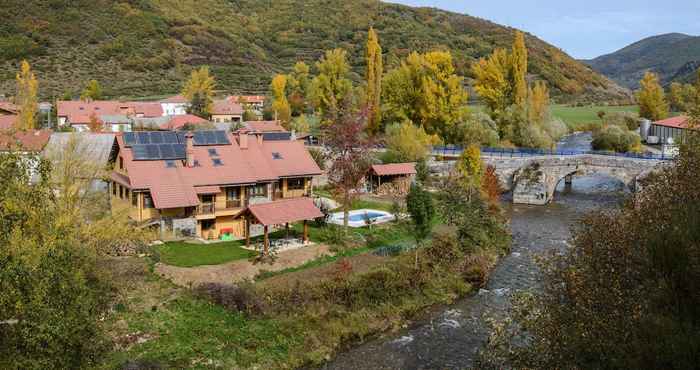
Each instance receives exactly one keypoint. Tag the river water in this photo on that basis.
(451, 337)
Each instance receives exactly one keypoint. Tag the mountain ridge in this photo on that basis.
(672, 56)
(147, 47)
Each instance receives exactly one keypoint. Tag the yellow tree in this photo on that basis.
(470, 169)
(92, 91)
(199, 91)
(27, 90)
(519, 69)
(538, 103)
(492, 80)
(407, 142)
(332, 86)
(280, 104)
(374, 81)
(651, 99)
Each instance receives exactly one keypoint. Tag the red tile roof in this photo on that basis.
(7, 122)
(264, 126)
(393, 169)
(179, 121)
(675, 122)
(173, 196)
(80, 111)
(207, 189)
(177, 99)
(28, 141)
(239, 166)
(8, 107)
(226, 107)
(258, 99)
(283, 211)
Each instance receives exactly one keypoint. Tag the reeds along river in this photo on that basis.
(452, 337)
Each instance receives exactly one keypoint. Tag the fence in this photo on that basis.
(451, 150)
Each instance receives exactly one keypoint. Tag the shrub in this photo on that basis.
(616, 138)
(444, 248)
(241, 298)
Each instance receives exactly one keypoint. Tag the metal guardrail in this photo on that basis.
(525, 152)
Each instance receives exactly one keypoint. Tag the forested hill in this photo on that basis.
(144, 47)
(674, 56)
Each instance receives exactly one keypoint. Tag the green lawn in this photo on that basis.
(190, 255)
(579, 117)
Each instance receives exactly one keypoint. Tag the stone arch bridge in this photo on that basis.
(533, 178)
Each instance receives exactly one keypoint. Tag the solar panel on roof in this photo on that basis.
(167, 151)
(156, 137)
(179, 151)
(221, 137)
(143, 138)
(139, 152)
(129, 139)
(277, 136)
(170, 137)
(153, 151)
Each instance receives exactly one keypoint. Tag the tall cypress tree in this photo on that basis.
(374, 81)
(519, 72)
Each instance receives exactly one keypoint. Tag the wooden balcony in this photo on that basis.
(205, 209)
(234, 204)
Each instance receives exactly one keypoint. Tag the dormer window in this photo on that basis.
(170, 164)
(276, 155)
(212, 152)
(217, 162)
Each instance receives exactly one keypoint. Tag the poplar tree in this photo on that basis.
(332, 86)
(374, 81)
(538, 102)
(492, 77)
(199, 91)
(519, 66)
(92, 91)
(651, 99)
(27, 89)
(280, 104)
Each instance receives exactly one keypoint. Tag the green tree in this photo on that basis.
(332, 87)
(280, 104)
(425, 90)
(651, 99)
(470, 169)
(298, 82)
(407, 142)
(92, 91)
(199, 90)
(373, 75)
(419, 204)
(26, 99)
(519, 66)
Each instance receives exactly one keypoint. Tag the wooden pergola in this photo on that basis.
(282, 212)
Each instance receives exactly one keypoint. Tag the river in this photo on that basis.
(450, 338)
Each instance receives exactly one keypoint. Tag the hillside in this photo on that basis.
(674, 56)
(145, 47)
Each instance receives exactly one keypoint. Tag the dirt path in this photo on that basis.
(236, 271)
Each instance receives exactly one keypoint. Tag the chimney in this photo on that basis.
(243, 140)
(189, 154)
(259, 136)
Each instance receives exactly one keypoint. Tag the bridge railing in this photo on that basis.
(455, 150)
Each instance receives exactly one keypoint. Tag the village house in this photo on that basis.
(80, 114)
(254, 101)
(212, 184)
(226, 111)
(392, 179)
(175, 105)
(174, 122)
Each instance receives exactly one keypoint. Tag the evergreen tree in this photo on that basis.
(519, 69)
(280, 104)
(419, 204)
(199, 90)
(27, 100)
(92, 91)
(374, 81)
(651, 99)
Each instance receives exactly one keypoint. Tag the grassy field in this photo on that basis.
(578, 118)
(190, 255)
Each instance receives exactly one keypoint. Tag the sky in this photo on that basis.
(584, 29)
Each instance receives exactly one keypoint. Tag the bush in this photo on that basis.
(444, 248)
(627, 120)
(241, 298)
(617, 139)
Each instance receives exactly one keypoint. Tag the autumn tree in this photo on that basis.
(425, 90)
(349, 150)
(492, 80)
(373, 74)
(519, 69)
(406, 142)
(199, 91)
(92, 91)
(470, 169)
(26, 99)
(651, 99)
(332, 87)
(280, 104)
(538, 103)
(298, 82)
(95, 124)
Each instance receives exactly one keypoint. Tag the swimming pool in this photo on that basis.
(357, 218)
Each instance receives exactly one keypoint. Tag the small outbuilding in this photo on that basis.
(391, 179)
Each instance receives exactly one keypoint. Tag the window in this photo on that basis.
(134, 199)
(213, 153)
(121, 163)
(114, 189)
(276, 155)
(126, 194)
(207, 198)
(147, 200)
(259, 190)
(121, 192)
(232, 194)
(295, 184)
(217, 162)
